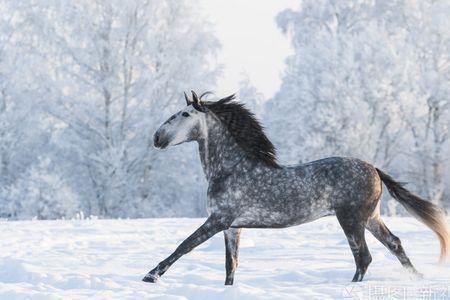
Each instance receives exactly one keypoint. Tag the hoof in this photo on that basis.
(150, 278)
(415, 274)
(358, 277)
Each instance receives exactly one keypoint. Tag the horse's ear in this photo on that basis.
(195, 97)
(197, 104)
(188, 101)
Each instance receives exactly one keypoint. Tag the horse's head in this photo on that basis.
(184, 126)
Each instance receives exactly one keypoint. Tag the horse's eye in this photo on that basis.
(185, 114)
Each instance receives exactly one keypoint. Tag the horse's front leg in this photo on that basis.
(231, 253)
(213, 225)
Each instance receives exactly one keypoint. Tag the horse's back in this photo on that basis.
(298, 194)
(343, 181)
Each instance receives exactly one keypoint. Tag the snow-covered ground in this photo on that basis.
(106, 259)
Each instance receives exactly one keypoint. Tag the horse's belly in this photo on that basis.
(260, 221)
(274, 219)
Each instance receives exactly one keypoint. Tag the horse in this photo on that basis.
(248, 188)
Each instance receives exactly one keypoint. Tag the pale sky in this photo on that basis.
(252, 44)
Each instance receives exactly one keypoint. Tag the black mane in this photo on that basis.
(245, 128)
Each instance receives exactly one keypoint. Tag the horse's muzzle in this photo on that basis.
(159, 141)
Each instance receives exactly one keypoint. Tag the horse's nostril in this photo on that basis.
(156, 138)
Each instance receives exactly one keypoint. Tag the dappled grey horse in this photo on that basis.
(247, 188)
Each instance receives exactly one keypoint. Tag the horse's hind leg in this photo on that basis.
(379, 230)
(231, 253)
(354, 231)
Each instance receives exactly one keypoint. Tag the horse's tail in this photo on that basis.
(425, 211)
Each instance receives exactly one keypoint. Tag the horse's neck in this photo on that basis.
(219, 153)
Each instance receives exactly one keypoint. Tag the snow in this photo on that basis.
(106, 259)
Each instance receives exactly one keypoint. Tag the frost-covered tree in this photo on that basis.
(85, 85)
(426, 102)
(23, 126)
(118, 68)
(367, 79)
(335, 97)
(39, 194)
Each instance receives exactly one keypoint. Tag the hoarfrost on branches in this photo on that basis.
(84, 84)
(370, 80)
